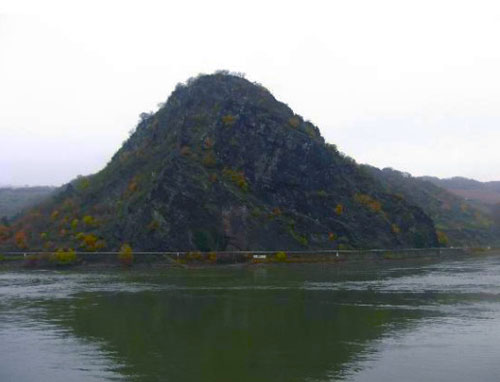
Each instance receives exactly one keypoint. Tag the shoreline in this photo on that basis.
(188, 260)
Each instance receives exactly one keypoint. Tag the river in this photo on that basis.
(394, 321)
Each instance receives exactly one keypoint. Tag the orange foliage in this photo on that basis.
(208, 143)
(133, 185)
(185, 151)
(294, 122)
(21, 239)
(4, 233)
(228, 120)
(368, 202)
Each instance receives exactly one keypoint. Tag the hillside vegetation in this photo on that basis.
(457, 221)
(223, 165)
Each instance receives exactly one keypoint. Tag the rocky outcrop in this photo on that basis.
(224, 165)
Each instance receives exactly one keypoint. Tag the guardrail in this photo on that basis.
(183, 258)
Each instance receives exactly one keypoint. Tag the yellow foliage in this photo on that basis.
(442, 238)
(368, 201)
(228, 120)
(90, 242)
(237, 177)
(332, 236)
(89, 220)
(64, 256)
(126, 255)
(280, 256)
(212, 257)
(74, 224)
(395, 229)
(339, 209)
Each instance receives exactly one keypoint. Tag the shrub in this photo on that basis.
(395, 229)
(82, 183)
(339, 210)
(133, 185)
(276, 211)
(212, 257)
(89, 220)
(228, 120)
(4, 233)
(21, 239)
(237, 177)
(126, 255)
(322, 194)
(194, 256)
(294, 122)
(153, 225)
(74, 224)
(209, 159)
(208, 143)
(185, 151)
(63, 257)
(89, 241)
(368, 201)
(442, 238)
(280, 256)
(332, 236)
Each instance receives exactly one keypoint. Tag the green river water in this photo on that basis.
(394, 321)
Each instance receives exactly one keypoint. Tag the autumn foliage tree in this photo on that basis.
(21, 239)
(4, 233)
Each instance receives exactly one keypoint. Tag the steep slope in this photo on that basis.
(224, 165)
(460, 221)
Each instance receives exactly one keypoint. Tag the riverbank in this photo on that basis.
(46, 260)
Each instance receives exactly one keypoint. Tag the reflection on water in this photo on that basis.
(411, 322)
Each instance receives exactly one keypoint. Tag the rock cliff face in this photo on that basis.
(223, 165)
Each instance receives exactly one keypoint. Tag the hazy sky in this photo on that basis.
(413, 85)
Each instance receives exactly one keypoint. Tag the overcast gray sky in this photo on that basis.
(413, 85)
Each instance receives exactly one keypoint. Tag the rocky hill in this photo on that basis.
(223, 165)
(458, 221)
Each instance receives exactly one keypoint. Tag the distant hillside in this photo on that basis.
(14, 200)
(487, 193)
(223, 165)
(460, 220)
